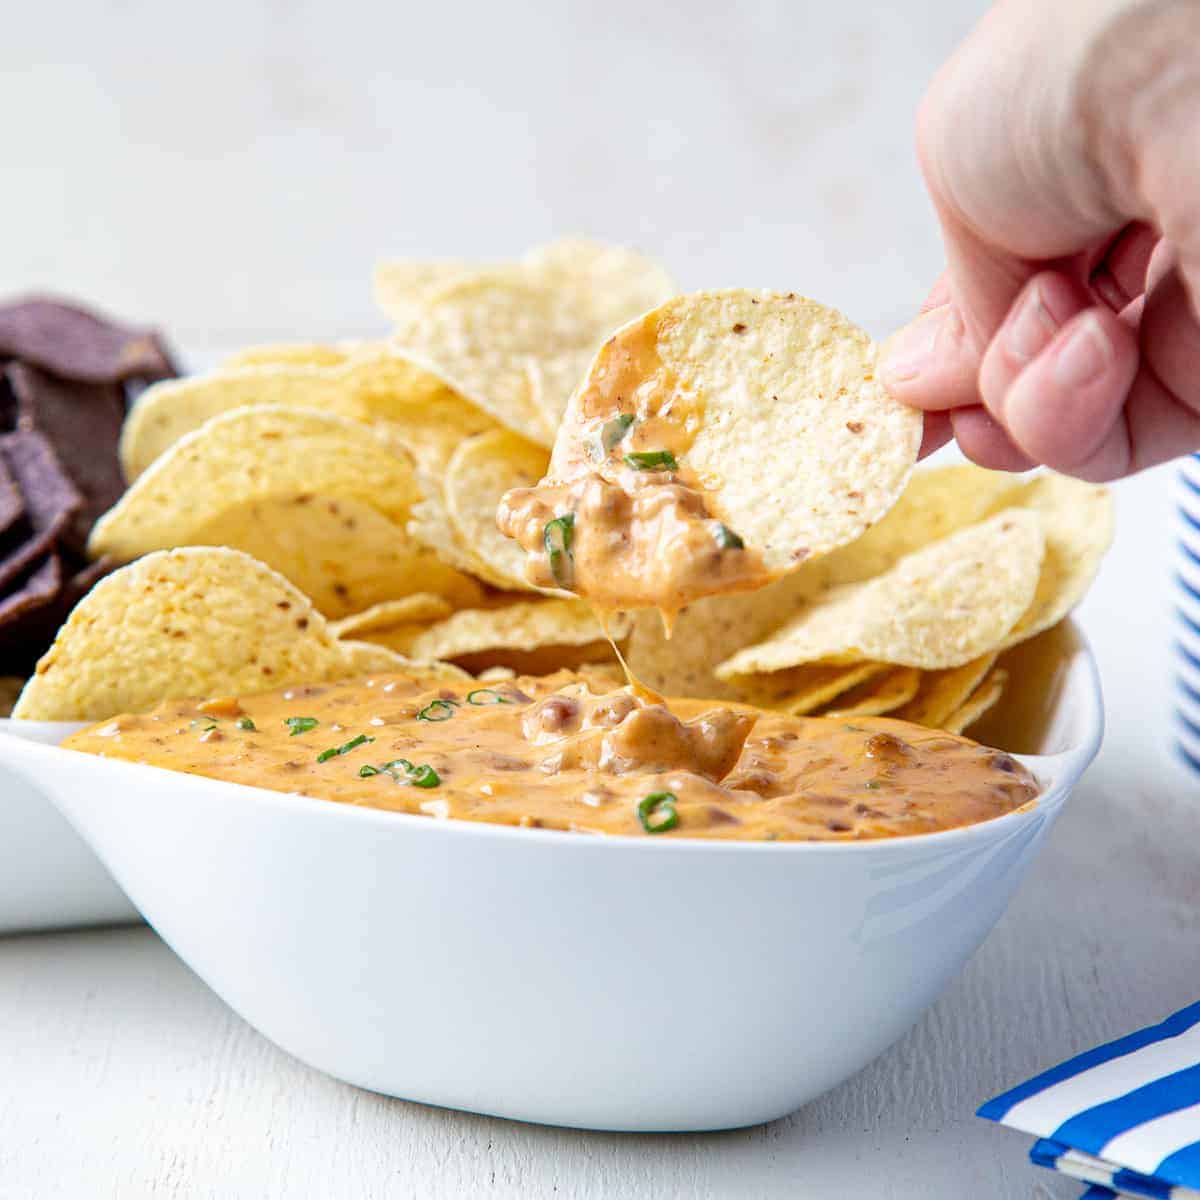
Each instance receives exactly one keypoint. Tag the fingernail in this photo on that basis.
(1031, 328)
(910, 350)
(1084, 355)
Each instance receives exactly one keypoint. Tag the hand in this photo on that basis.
(1061, 148)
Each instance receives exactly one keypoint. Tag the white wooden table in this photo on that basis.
(121, 1075)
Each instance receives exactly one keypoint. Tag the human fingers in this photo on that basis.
(1103, 399)
(936, 434)
(984, 441)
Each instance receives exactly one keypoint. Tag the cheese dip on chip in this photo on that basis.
(715, 444)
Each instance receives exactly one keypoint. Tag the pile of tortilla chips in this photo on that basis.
(913, 619)
(304, 512)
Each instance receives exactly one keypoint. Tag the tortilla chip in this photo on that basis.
(10, 689)
(797, 445)
(526, 625)
(372, 383)
(253, 455)
(883, 694)
(418, 607)
(984, 698)
(200, 621)
(59, 410)
(368, 658)
(937, 502)
(402, 286)
(1078, 521)
(708, 632)
(937, 608)
(77, 343)
(517, 339)
(430, 525)
(802, 690)
(295, 354)
(341, 553)
(39, 586)
(942, 692)
(481, 471)
(50, 501)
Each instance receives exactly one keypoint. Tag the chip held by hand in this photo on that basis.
(716, 443)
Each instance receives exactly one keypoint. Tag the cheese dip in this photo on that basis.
(552, 753)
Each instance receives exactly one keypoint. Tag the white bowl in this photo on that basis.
(49, 877)
(606, 983)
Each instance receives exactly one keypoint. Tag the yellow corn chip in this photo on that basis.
(1078, 521)
(341, 553)
(801, 690)
(939, 607)
(481, 471)
(252, 455)
(883, 694)
(775, 404)
(369, 383)
(708, 632)
(942, 692)
(984, 698)
(368, 658)
(418, 607)
(937, 502)
(517, 339)
(201, 621)
(303, 354)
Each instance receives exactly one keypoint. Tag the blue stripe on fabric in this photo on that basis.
(1093, 1128)
(1046, 1152)
(1182, 1167)
(1194, 522)
(1186, 688)
(1177, 1023)
(1096, 1192)
(1189, 483)
(1194, 626)
(1188, 724)
(1180, 582)
(1187, 552)
(1141, 1185)
(1189, 759)
(1186, 654)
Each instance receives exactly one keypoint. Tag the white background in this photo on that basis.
(231, 170)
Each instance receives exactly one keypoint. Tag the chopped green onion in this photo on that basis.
(727, 539)
(345, 748)
(203, 723)
(300, 724)
(423, 776)
(872, 784)
(246, 723)
(651, 460)
(438, 710)
(557, 538)
(487, 696)
(610, 434)
(657, 812)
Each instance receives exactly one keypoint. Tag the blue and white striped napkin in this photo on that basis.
(1124, 1117)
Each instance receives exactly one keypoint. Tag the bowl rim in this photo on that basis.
(1074, 760)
